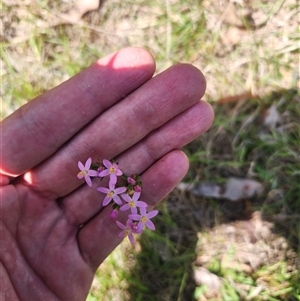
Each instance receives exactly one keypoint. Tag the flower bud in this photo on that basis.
(113, 214)
(131, 181)
(137, 188)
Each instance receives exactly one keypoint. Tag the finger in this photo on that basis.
(38, 129)
(175, 134)
(84, 203)
(146, 109)
(99, 237)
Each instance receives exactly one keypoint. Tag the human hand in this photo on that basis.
(54, 231)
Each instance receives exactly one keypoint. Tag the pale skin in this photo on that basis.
(54, 232)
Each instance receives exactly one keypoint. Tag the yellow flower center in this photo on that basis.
(131, 204)
(112, 170)
(144, 219)
(110, 194)
(83, 173)
(130, 192)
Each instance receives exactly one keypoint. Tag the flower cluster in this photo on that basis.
(121, 198)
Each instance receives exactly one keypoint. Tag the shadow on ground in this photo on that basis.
(246, 243)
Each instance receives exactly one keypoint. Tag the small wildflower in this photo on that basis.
(144, 218)
(124, 198)
(86, 172)
(112, 194)
(132, 202)
(127, 230)
(112, 169)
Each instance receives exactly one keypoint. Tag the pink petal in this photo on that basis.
(136, 196)
(113, 178)
(111, 186)
(88, 163)
(93, 173)
(88, 180)
(124, 207)
(120, 190)
(143, 211)
(103, 173)
(150, 225)
(129, 223)
(141, 204)
(140, 228)
(131, 238)
(80, 165)
(121, 234)
(106, 201)
(135, 217)
(115, 166)
(120, 225)
(103, 189)
(152, 213)
(133, 210)
(117, 199)
(107, 163)
(126, 197)
(119, 172)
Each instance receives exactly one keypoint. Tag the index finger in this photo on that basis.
(38, 129)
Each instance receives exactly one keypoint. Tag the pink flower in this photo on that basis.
(112, 169)
(127, 230)
(112, 194)
(86, 172)
(144, 219)
(132, 202)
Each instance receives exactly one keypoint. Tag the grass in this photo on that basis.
(191, 230)
(272, 156)
(166, 259)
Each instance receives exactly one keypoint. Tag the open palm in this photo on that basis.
(54, 231)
